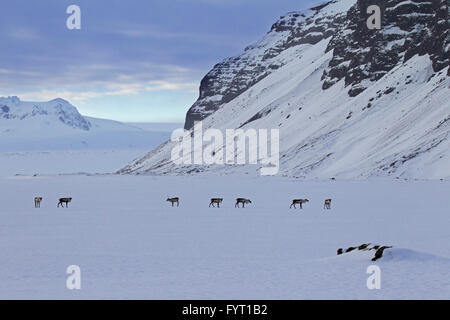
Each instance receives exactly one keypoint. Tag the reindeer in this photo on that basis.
(64, 200)
(298, 201)
(217, 201)
(243, 201)
(174, 200)
(327, 204)
(37, 202)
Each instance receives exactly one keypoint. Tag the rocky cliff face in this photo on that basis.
(348, 101)
(235, 75)
(359, 54)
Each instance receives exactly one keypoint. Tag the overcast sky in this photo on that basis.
(132, 60)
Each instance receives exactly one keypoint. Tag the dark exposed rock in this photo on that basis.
(389, 90)
(257, 116)
(235, 75)
(408, 28)
(369, 105)
(363, 246)
(359, 54)
(379, 252)
(366, 247)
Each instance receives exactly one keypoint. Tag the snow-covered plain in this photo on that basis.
(105, 153)
(66, 161)
(129, 242)
(55, 152)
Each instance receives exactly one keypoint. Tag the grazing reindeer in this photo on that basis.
(64, 200)
(298, 201)
(327, 204)
(37, 202)
(243, 201)
(174, 200)
(217, 201)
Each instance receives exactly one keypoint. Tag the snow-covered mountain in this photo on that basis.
(57, 112)
(349, 102)
(57, 125)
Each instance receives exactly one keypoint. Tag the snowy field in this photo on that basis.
(129, 242)
(66, 161)
(103, 152)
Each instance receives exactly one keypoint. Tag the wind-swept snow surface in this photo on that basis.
(130, 243)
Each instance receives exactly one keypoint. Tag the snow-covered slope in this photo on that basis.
(349, 102)
(131, 244)
(57, 125)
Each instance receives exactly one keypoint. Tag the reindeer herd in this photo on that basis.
(215, 202)
(62, 201)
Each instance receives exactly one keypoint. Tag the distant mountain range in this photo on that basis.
(349, 102)
(57, 125)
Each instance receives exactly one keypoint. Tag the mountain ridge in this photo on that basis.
(234, 75)
(387, 120)
(57, 125)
